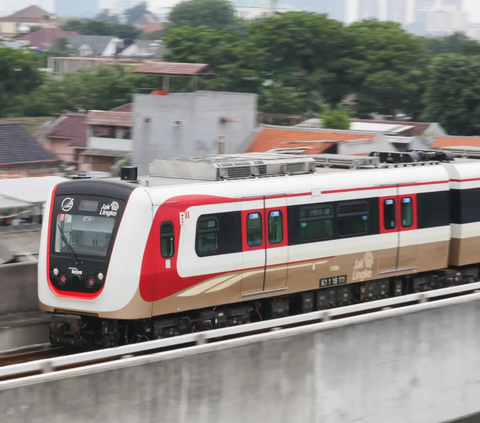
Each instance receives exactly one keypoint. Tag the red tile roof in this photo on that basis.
(155, 26)
(71, 126)
(31, 14)
(286, 137)
(419, 128)
(456, 142)
(45, 37)
(110, 118)
(164, 68)
(123, 108)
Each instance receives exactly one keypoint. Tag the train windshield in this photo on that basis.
(85, 235)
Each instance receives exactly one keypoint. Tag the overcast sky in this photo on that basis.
(472, 7)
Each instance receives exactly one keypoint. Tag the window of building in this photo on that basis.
(254, 229)
(407, 212)
(167, 240)
(207, 235)
(389, 214)
(316, 222)
(352, 218)
(275, 227)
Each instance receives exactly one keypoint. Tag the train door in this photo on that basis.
(254, 255)
(276, 235)
(398, 220)
(407, 218)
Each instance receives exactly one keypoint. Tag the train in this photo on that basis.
(208, 242)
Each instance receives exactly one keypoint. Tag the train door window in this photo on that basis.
(389, 214)
(407, 212)
(352, 218)
(316, 223)
(275, 227)
(167, 240)
(254, 229)
(207, 236)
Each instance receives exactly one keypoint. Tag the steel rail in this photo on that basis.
(85, 358)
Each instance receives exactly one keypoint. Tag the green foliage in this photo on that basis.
(154, 35)
(457, 43)
(452, 95)
(133, 14)
(217, 14)
(279, 99)
(106, 16)
(335, 119)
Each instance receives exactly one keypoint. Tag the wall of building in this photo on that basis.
(418, 364)
(189, 124)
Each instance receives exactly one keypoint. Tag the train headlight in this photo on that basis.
(90, 282)
(100, 277)
(55, 271)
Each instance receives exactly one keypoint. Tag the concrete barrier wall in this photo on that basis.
(18, 287)
(415, 364)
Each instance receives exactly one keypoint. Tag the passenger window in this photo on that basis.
(207, 236)
(316, 223)
(389, 214)
(167, 240)
(254, 229)
(352, 219)
(275, 227)
(407, 212)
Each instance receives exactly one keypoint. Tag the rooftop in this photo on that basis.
(109, 118)
(29, 14)
(453, 141)
(29, 190)
(416, 129)
(179, 69)
(310, 140)
(17, 146)
(45, 37)
(71, 126)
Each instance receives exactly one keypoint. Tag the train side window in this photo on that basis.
(254, 229)
(207, 236)
(389, 214)
(407, 212)
(316, 223)
(352, 218)
(275, 227)
(167, 240)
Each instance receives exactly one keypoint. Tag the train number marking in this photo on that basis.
(61, 217)
(333, 281)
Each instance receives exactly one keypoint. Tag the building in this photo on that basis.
(76, 8)
(397, 11)
(21, 21)
(255, 9)
(144, 48)
(445, 20)
(145, 20)
(45, 38)
(19, 152)
(93, 45)
(368, 9)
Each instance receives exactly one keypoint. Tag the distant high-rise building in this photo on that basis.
(368, 9)
(397, 11)
(76, 8)
(457, 4)
(335, 9)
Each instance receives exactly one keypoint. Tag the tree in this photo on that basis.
(133, 14)
(379, 57)
(217, 14)
(279, 99)
(457, 43)
(452, 95)
(105, 15)
(335, 118)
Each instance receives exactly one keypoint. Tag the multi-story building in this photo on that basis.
(397, 11)
(368, 9)
(445, 20)
(76, 8)
(457, 4)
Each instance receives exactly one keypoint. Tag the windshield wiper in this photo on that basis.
(69, 247)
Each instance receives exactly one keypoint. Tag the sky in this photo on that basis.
(472, 7)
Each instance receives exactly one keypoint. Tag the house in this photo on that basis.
(144, 21)
(295, 140)
(93, 45)
(19, 152)
(254, 9)
(22, 20)
(67, 139)
(93, 141)
(144, 48)
(45, 38)
(455, 141)
(153, 27)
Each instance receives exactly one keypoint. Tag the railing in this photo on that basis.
(82, 359)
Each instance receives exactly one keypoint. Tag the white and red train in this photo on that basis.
(252, 237)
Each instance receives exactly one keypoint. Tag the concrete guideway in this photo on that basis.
(18, 287)
(417, 363)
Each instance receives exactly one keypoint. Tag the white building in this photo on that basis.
(444, 20)
(255, 9)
